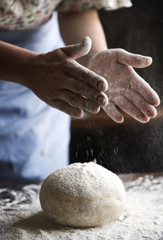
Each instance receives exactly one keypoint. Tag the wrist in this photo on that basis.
(28, 69)
(15, 63)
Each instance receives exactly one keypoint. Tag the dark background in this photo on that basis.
(134, 147)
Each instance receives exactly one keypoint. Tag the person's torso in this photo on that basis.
(33, 136)
(23, 14)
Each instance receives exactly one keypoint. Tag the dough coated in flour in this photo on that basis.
(82, 195)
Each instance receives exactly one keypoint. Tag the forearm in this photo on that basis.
(14, 62)
(75, 26)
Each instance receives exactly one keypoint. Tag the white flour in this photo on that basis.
(21, 216)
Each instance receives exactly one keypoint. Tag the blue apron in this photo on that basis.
(34, 137)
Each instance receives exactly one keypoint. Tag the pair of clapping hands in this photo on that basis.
(109, 81)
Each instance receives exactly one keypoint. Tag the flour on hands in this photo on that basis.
(126, 89)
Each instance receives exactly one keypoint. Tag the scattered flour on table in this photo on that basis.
(21, 216)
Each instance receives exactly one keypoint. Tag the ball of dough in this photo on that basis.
(82, 195)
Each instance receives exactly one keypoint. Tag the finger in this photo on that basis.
(78, 50)
(113, 113)
(86, 90)
(79, 101)
(131, 109)
(85, 75)
(134, 60)
(66, 108)
(142, 87)
(141, 103)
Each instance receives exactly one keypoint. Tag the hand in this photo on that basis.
(126, 89)
(64, 84)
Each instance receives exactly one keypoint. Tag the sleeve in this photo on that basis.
(80, 5)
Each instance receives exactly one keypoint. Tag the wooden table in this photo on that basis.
(21, 216)
(101, 119)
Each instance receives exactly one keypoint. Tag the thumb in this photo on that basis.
(134, 60)
(78, 50)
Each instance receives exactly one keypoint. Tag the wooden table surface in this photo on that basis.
(21, 216)
(101, 119)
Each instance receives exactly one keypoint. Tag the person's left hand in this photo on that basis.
(126, 89)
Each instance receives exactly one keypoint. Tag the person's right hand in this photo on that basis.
(60, 81)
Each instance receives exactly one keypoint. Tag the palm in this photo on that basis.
(126, 89)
